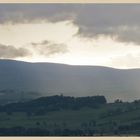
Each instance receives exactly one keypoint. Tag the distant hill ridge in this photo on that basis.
(19, 80)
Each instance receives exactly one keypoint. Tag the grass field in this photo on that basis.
(105, 117)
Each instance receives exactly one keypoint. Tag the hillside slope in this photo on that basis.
(50, 79)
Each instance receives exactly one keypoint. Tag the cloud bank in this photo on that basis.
(117, 20)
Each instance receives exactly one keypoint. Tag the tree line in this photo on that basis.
(54, 103)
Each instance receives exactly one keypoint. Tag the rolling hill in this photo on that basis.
(22, 80)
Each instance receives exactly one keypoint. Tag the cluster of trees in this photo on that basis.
(133, 128)
(53, 103)
(21, 131)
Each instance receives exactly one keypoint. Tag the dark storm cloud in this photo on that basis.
(28, 12)
(12, 52)
(93, 19)
(49, 48)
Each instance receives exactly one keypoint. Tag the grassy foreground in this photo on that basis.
(108, 119)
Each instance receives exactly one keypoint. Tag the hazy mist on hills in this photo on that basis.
(43, 79)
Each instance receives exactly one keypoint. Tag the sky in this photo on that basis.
(75, 34)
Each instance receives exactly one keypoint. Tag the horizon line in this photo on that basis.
(81, 65)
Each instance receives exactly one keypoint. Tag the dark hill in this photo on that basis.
(54, 103)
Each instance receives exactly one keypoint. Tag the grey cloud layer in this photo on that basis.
(12, 52)
(92, 19)
(48, 48)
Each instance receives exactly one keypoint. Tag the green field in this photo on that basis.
(105, 119)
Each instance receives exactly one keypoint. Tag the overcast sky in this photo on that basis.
(78, 34)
